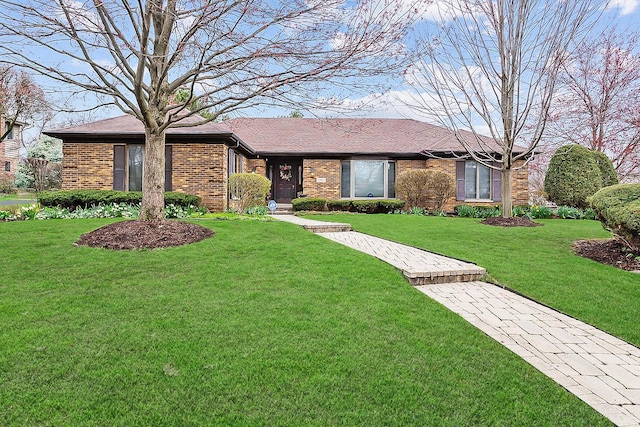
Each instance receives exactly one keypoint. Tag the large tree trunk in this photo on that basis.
(153, 177)
(507, 199)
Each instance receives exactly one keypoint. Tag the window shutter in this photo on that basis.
(497, 183)
(460, 180)
(168, 167)
(119, 162)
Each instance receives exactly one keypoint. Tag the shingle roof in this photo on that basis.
(129, 125)
(300, 136)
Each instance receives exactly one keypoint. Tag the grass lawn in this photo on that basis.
(263, 324)
(536, 261)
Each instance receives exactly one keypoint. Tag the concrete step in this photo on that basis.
(439, 277)
(327, 228)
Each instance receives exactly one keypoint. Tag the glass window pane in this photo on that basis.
(484, 182)
(470, 179)
(345, 179)
(136, 154)
(391, 187)
(369, 178)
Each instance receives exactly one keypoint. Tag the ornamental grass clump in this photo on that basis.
(618, 207)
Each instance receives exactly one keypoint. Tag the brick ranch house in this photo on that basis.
(327, 158)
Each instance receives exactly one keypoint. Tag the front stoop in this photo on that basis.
(439, 277)
(327, 228)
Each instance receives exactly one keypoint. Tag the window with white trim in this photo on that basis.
(367, 179)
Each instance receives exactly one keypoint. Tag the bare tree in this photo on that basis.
(228, 54)
(491, 66)
(20, 98)
(598, 102)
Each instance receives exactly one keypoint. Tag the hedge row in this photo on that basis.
(72, 199)
(361, 206)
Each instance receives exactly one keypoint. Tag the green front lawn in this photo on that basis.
(536, 261)
(263, 324)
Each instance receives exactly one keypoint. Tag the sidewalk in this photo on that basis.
(599, 368)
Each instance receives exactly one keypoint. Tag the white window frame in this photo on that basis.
(352, 180)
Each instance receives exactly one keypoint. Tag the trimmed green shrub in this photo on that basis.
(607, 171)
(308, 204)
(365, 206)
(250, 189)
(72, 199)
(618, 207)
(390, 205)
(573, 175)
(339, 205)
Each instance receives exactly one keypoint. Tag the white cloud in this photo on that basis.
(627, 7)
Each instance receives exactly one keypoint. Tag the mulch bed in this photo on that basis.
(134, 234)
(510, 222)
(612, 252)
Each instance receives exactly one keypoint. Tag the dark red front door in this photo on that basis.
(286, 179)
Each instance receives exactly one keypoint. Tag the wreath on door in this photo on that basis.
(285, 172)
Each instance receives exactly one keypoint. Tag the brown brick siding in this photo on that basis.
(330, 169)
(201, 169)
(87, 166)
(327, 169)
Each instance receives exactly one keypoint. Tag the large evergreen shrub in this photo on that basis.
(607, 171)
(618, 207)
(573, 175)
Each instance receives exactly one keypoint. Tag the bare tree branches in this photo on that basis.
(597, 104)
(20, 98)
(230, 54)
(493, 69)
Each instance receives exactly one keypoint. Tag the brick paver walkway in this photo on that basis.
(599, 368)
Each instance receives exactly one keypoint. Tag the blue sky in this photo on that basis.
(625, 14)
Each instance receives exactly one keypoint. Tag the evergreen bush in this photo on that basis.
(607, 171)
(308, 204)
(72, 199)
(573, 175)
(618, 207)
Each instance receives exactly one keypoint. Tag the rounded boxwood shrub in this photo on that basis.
(573, 175)
(618, 207)
(607, 171)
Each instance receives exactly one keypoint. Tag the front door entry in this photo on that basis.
(286, 179)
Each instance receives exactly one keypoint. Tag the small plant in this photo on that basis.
(257, 211)
(6, 216)
(465, 211)
(418, 211)
(28, 212)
